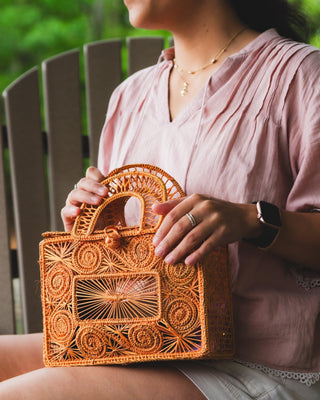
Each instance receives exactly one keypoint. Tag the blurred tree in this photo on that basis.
(312, 9)
(32, 30)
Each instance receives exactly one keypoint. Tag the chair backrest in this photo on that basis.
(47, 153)
(6, 299)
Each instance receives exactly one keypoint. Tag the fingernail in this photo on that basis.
(95, 199)
(189, 260)
(159, 251)
(169, 259)
(103, 191)
(156, 240)
(74, 210)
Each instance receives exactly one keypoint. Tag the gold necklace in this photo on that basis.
(180, 70)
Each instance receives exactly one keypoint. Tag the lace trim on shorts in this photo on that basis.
(305, 277)
(307, 378)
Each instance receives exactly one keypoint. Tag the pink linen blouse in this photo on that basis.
(252, 133)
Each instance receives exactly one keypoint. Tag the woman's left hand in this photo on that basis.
(218, 223)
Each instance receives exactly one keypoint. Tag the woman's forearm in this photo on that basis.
(299, 239)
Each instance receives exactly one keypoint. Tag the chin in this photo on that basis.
(143, 14)
(139, 20)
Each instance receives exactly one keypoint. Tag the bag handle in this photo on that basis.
(147, 183)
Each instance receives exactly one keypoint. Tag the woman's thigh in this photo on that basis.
(23, 375)
(100, 382)
(20, 354)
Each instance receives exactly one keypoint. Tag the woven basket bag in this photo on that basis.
(106, 297)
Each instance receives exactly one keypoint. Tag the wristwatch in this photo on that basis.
(270, 219)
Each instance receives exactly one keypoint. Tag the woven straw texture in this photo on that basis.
(107, 299)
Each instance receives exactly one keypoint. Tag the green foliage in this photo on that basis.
(311, 8)
(33, 30)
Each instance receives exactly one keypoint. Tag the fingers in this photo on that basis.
(176, 236)
(88, 190)
(203, 250)
(187, 247)
(167, 206)
(212, 223)
(95, 174)
(175, 219)
(68, 214)
(174, 211)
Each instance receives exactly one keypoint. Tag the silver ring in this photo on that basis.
(191, 219)
(75, 186)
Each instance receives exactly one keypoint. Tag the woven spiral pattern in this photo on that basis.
(91, 342)
(62, 326)
(87, 257)
(58, 282)
(180, 274)
(145, 338)
(182, 315)
(141, 252)
(107, 299)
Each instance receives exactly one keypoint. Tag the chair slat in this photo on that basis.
(103, 74)
(62, 99)
(7, 324)
(28, 181)
(143, 52)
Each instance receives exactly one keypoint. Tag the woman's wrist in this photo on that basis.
(254, 227)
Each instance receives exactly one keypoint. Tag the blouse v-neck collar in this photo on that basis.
(215, 81)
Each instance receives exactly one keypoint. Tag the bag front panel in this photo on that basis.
(113, 301)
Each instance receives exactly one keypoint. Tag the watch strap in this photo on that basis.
(266, 239)
(270, 228)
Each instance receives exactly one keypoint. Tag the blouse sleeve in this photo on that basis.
(302, 113)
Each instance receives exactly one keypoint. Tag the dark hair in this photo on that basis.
(285, 17)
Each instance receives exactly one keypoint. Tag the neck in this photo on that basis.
(200, 33)
(206, 32)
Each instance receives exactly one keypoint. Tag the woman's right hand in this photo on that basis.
(88, 190)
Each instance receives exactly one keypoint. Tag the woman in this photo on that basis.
(232, 114)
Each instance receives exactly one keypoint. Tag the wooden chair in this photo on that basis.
(47, 155)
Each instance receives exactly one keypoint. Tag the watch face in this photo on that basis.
(269, 214)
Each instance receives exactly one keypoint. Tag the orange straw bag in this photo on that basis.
(106, 297)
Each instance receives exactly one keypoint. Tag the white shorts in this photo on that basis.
(229, 380)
